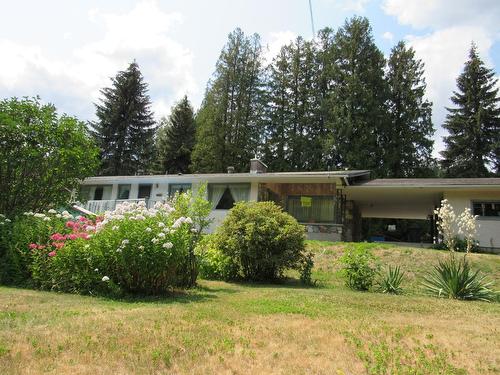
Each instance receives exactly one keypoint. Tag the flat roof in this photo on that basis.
(260, 176)
(429, 182)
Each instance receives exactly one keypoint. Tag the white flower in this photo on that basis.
(155, 240)
(178, 222)
(39, 215)
(90, 228)
(119, 250)
(46, 218)
(52, 211)
(59, 216)
(140, 217)
(161, 225)
(7, 220)
(96, 270)
(161, 235)
(168, 245)
(125, 242)
(115, 227)
(194, 230)
(141, 247)
(188, 220)
(148, 229)
(105, 278)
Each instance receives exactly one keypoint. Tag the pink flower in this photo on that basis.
(52, 253)
(85, 236)
(57, 237)
(70, 224)
(82, 219)
(33, 246)
(41, 247)
(58, 245)
(72, 236)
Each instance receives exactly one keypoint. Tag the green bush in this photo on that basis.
(131, 250)
(391, 281)
(359, 267)
(213, 263)
(260, 242)
(454, 278)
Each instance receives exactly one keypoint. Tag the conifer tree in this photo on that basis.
(408, 143)
(228, 122)
(473, 143)
(357, 100)
(125, 127)
(293, 140)
(175, 139)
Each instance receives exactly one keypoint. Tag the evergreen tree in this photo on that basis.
(175, 139)
(228, 122)
(125, 127)
(293, 140)
(357, 100)
(473, 142)
(408, 143)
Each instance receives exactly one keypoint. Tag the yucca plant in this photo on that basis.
(391, 281)
(454, 278)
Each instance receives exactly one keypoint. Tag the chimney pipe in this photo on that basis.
(256, 166)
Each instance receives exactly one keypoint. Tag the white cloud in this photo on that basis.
(73, 83)
(275, 41)
(453, 25)
(388, 35)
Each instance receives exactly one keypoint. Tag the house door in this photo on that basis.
(144, 191)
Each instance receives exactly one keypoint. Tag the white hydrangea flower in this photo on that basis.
(105, 278)
(115, 227)
(168, 245)
(161, 235)
(161, 225)
(46, 218)
(125, 242)
(155, 240)
(148, 229)
(96, 270)
(52, 211)
(39, 215)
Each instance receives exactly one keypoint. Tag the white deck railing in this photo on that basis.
(98, 206)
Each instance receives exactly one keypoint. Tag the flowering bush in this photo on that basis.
(131, 249)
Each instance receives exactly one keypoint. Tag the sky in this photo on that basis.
(66, 51)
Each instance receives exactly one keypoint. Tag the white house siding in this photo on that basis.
(488, 231)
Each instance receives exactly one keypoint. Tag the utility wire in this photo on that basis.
(312, 19)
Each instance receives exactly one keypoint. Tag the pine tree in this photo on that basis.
(357, 100)
(125, 127)
(175, 139)
(408, 143)
(473, 142)
(228, 122)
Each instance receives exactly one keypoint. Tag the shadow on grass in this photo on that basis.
(286, 283)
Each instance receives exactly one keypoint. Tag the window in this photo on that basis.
(123, 191)
(224, 196)
(312, 209)
(144, 191)
(99, 191)
(488, 209)
(178, 188)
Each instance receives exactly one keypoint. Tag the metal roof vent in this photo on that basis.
(230, 169)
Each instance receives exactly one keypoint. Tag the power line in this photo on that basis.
(312, 19)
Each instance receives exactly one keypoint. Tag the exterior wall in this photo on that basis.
(488, 232)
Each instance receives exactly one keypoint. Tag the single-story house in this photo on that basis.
(331, 204)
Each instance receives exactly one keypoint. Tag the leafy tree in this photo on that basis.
(125, 128)
(43, 156)
(357, 99)
(408, 143)
(175, 139)
(228, 122)
(293, 127)
(473, 143)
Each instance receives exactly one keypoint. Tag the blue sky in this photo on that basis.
(65, 51)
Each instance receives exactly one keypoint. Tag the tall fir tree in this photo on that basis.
(473, 144)
(293, 137)
(229, 120)
(357, 101)
(175, 139)
(408, 143)
(125, 127)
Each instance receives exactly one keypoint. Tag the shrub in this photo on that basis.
(132, 250)
(213, 263)
(454, 278)
(25, 230)
(459, 243)
(260, 241)
(359, 267)
(391, 281)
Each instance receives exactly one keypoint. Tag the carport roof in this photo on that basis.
(430, 182)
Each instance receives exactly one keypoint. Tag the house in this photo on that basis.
(331, 204)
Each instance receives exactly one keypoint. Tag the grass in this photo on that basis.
(227, 328)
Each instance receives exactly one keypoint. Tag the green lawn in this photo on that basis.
(224, 328)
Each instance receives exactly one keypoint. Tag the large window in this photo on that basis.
(224, 196)
(178, 188)
(144, 191)
(486, 209)
(124, 191)
(312, 209)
